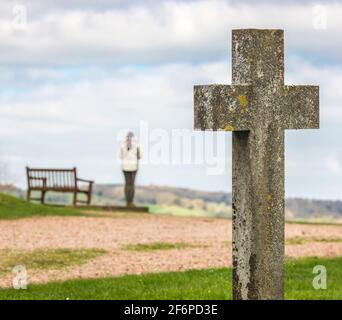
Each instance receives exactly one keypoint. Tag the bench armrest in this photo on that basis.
(84, 180)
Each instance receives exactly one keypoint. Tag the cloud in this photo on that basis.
(159, 31)
(100, 94)
(120, 96)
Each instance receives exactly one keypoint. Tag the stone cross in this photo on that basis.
(257, 107)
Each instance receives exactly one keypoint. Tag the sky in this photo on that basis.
(75, 76)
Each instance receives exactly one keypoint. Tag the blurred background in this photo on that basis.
(76, 74)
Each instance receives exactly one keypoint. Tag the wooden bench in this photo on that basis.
(58, 180)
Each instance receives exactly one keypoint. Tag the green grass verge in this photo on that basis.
(316, 222)
(15, 208)
(195, 284)
(46, 258)
(179, 211)
(158, 246)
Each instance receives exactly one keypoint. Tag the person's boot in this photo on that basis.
(130, 205)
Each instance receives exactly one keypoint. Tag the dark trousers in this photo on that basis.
(129, 185)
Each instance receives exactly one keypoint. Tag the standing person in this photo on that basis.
(130, 156)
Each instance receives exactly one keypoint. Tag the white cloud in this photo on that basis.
(161, 32)
(122, 97)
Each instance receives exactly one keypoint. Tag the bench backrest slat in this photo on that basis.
(55, 178)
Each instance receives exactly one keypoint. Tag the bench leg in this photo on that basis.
(28, 195)
(89, 199)
(74, 201)
(89, 193)
(42, 200)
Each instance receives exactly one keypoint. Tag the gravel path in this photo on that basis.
(210, 240)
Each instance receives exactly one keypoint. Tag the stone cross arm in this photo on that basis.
(244, 107)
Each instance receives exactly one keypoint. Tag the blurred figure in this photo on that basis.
(130, 156)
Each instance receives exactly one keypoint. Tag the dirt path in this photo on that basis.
(210, 240)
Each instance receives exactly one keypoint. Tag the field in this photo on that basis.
(79, 254)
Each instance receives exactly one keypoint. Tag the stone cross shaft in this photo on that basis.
(257, 107)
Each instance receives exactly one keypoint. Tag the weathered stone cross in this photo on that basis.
(257, 107)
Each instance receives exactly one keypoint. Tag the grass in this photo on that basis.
(158, 246)
(316, 222)
(46, 258)
(303, 240)
(178, 211)
(15, 208)
(194, 284)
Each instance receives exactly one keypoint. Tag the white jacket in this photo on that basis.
(129, 158)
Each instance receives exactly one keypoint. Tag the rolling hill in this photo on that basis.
(183, 201)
